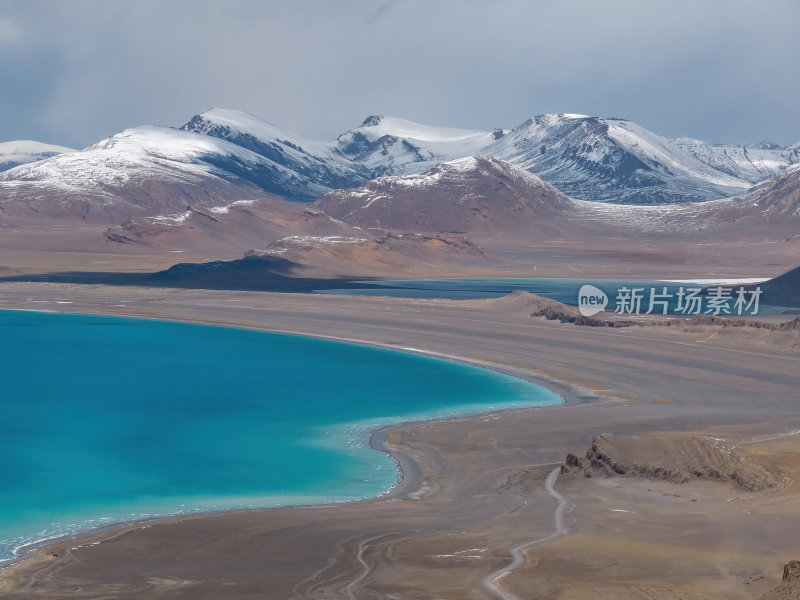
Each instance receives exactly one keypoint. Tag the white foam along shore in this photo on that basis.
(718, 281)
(370, 433)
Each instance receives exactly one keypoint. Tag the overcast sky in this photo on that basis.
(73, 72)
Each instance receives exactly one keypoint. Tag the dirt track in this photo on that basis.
(482, 480)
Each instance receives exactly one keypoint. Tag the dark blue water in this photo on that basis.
(107, 419)
(562, 289)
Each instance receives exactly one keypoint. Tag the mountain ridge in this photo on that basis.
(21, 152)
(224, 155)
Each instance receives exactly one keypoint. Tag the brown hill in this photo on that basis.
(388, 254)
(771, 209)
(485, 196)
(232, 228)
(777, 198)
(467, 195)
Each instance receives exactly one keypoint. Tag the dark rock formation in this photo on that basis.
(789, 589)
(673, 458)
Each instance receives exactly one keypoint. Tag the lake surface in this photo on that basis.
(107, 419)
(564, 290)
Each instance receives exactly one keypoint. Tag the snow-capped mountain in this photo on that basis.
(617, 161)
(389, 146)
(318, 165)
(751, 162)
(224, 155)
(480, 196)
(379, 146)
(143, 171)
(22, 152)
(588, 158)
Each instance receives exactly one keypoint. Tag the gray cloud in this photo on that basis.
(74, 72)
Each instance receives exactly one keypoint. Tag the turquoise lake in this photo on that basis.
(107, 419)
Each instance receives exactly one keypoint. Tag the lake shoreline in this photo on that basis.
(408, 478)
(625, 382)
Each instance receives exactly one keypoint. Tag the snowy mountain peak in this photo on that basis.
(224, 154)
(615, 160)
(157, 141)
(234, 124)
(32, 147)
(568, 116)
(378, 126)
(318, 164)
(236, 119)
(372, 121)
(389, 146)
(21, 152)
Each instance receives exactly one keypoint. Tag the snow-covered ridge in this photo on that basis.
(32, 147)
(392, 146)
(751, 162)
(434, 175)
(142, 155)
(239, 155)
(242, 123)
(141, 152)
(375, 127)
(460, 171)
(318, 165)
(21, 152)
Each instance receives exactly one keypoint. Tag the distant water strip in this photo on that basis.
(563, 290)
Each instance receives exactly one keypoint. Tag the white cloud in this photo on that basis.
(84, 69)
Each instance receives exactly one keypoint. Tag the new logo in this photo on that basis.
(591, 300)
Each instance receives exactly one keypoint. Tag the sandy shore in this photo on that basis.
(478, 486)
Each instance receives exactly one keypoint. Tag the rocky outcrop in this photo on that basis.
(789, 589)
(673, 458)
(791, 572)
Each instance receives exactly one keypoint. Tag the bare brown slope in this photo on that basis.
(466, 195)
(776, 199)
(389, 253)
(234, 227)
(772, 208)
(287, 263)
(35, 203)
